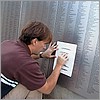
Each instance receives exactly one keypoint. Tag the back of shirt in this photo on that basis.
(18, 65)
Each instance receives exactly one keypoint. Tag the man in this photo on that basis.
(21, 76)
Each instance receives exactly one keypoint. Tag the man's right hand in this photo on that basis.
(61, 60)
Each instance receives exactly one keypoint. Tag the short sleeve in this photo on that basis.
(30, 76)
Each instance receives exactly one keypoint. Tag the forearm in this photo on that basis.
(35, 56)
(52, 79)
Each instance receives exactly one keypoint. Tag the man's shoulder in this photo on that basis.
(7, 42)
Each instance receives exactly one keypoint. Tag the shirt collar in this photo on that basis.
(25, 46)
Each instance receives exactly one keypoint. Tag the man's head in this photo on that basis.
(36, 34)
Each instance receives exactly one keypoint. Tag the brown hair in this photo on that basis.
(35, 30)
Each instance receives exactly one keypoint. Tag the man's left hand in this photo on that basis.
(50, 50)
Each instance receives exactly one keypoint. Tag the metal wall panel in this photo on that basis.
(86, 36)
(10, 13)
(70, 21)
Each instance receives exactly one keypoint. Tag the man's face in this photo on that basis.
(39, 46)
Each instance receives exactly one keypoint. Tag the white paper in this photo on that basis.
(71, 50)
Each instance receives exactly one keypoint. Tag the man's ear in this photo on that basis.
(34, 41)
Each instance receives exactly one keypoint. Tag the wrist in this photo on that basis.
(59, 66)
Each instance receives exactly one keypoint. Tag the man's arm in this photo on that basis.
(34, 56)
(52, 79)
(47, 53)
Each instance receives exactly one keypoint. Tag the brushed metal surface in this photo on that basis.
(70, 21)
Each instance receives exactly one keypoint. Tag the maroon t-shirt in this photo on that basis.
(17, 64)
